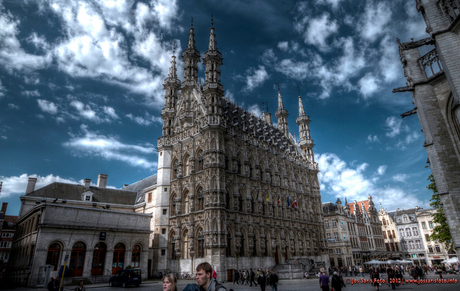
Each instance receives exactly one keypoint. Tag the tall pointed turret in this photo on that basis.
(191, 58)
(282, 115)
(172, 86)
(306, 143)
(213, 89)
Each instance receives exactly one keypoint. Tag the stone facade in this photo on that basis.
(353, 232)
(97, 229)
(409, 234)
(436, 252)
(390, 235)
(226, 178)
(7, 228)
(434, 83)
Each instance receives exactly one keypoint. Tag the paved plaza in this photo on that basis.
(290, 285)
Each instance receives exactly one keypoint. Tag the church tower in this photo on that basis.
(282, 115)
(306, 143)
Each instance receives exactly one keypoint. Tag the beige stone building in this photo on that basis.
(433, 79)
(353, 232)
(435, 251)
(97, 230)
(390, 236)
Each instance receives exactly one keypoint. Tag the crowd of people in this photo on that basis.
(264, 278)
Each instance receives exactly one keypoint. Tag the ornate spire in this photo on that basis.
(213, 60)
(301, 110)
(303, 121)
(212, 37)
(172, 86)
(282, 115)
(191, 58)
(172, 69)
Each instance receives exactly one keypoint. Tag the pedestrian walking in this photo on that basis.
(262, 280)
(391, 278)
(361, 272)
(252, 277)
(337, 282)
(324, 282)
(53, 284)
(236, 277)
(438, 270)
(80, 286)
(375, 279)
(273, 279)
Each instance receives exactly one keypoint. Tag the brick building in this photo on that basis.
(434, 83)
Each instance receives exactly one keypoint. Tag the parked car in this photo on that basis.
(126, 277)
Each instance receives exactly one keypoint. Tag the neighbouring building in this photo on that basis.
(7, 228)
(433, 79)
(353, 233)
(338, 224)
(390, 236)
(96, 229)
(436, 252)
(367, 236)
(409, 234)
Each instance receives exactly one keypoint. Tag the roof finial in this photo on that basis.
(298, 90)
(278, 86)
(212, 20)
(192, 21)
(174, 48)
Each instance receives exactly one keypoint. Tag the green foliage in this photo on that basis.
(129, 267)
(441, 231)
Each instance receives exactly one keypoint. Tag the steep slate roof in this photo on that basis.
(329, 206)
(73, 192)
(140, 185)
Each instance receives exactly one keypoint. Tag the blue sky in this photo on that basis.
(81, 87)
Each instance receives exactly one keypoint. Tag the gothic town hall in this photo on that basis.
(231, 189)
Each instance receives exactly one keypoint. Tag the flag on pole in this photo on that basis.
(268, 198)
(288, 203)
(279, 200)
(294, 204)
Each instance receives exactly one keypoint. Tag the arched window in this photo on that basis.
(174, 170)
(118, 260)
(97, 266)
(172, 246)
(186, 166)
(185, 250)
(200, 161)
(185, 204)
(200, 244)
(240, 202)
(250, 171)
(228, 250)
(173, 204)
(228, 200)
(238, 163)
(242, 245)
(77, 258)
(200, 204)
(52, 258)
(251, 210)
(136, 258)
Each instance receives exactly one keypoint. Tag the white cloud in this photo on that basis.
(4, 137)
(13, 106)
(33, 93)
(85, 111)
(94, 113)
(339, 179)
(333, 3)
(381, 169)
(110, 112)
(394, 126)
(47, 106)
(283, 45)
(255, 109)
(318, 30)
(230, 96)
(389, 64)
(375, 20)
(165, 11)
(255, 78)
(368, 85)
(371, 138)
(2, 90)
(408, 139)
(16, 185)
(147, 119)
(38, 41)
(400, 177)
(110, 148)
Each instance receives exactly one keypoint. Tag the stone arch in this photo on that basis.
(199, 160)
(172, 203)
(230, 241)
(174, 168)
(243, 242)
(200, 242)
(256, 243)
(185, 253)
(171, 245)
(186, 163)
(185, 201)
(199, 197)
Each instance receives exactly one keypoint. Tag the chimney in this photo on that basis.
(125, 185)
(87, 183)
(31, 185)
(268, 117)
(4, 206)
(102, 180)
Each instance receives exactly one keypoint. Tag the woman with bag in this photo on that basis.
(439, 270)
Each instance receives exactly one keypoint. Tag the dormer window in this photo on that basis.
(87, 196)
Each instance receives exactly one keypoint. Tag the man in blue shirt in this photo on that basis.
(324, 282)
